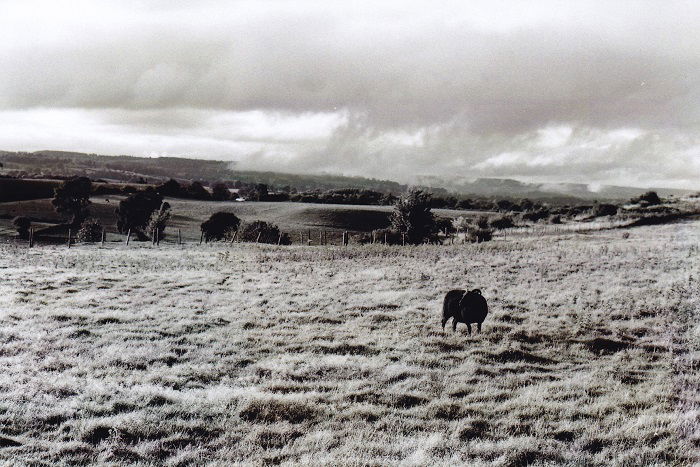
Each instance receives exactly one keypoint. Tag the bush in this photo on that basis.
(480, 231)
(503, 222)
(460, 224)
(262, 232)
(604, 209)
(478, 235)
(22, 224)
(220, 225)
(535, 216)
(482, 222)
(90, 231)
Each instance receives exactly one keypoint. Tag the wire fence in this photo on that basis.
(308, 237)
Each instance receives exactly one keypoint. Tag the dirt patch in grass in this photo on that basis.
(276, 439)
(510, 356)
(96, 434)
(276, 410)
(406, 401)
(473, 429)
(8, 442)
(564, 436)
(348, 349)
(602, 346)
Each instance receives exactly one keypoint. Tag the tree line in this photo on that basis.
(145, 214)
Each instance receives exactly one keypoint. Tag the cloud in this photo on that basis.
(493, 88)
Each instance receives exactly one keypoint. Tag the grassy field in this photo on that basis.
(253, 354)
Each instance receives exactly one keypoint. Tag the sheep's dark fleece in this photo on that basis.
(464, 307)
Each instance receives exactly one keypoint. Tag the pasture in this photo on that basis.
(255, 354)
(189, 214)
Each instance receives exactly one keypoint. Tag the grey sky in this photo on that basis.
(592, 92)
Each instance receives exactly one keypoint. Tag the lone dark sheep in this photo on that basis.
(464, 307)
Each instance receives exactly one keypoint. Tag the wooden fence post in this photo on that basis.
(320, 237)
(257, 240)
(403, 239)
(128, 237)
(103, 237)
(279, 239)
(31, 237)
(69, 232)
(179, 237)
(201, 237)
(385, 238)
(157, 237)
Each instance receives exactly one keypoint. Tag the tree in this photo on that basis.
(219, 225)
(412, 217)
(159, 219)
(72, 197)
(219, 192)
(650, 198)
(135, 212)
(526, 204)
(504, 205)
(22, 225)
(260, 192)
(604, 209)
(197, 191)
(171, 188)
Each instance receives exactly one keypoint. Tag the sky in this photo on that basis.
(540, 91)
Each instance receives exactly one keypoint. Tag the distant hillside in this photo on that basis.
(494, 187)
(131, 169)
(48, 164)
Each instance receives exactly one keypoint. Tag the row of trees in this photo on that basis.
(144, 214)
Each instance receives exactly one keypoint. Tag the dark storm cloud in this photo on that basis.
(427, 87)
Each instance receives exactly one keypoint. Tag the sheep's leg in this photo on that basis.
(469, 327)
(454, 324)
(443, 323)
(478, 327)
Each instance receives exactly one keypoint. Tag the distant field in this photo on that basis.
(189, 214)
(250, 354)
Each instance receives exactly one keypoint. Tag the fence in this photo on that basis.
(321, 237)
(558, 229)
